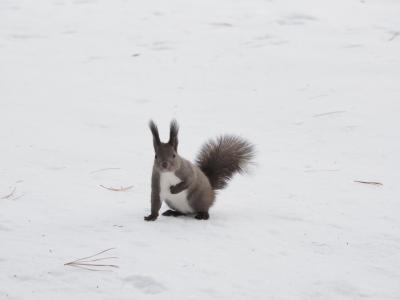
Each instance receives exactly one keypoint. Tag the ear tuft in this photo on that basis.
(156, 136)
(173, 134)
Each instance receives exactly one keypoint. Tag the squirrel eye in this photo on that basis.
(155, 156)
(174, 156)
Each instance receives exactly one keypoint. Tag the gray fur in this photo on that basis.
(173, 134)
(155, 196)
(201, 180)
(200, 193)
(156, 137)
(222, 158)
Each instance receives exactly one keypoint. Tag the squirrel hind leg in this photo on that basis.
(202, 216)
(172, 213)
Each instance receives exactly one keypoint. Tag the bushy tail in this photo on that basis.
(222, 158)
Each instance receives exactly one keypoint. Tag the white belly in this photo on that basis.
(178, 201)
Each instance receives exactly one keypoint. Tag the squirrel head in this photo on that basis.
(166, 157)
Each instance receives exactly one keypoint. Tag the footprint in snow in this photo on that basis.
(146, 284)
(264, 40)
(84, 1)
(296, 19)
(221, 24)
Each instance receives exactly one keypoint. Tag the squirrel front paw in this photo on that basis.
(151, 217)
(174, 189)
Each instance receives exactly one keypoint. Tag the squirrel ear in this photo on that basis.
(173, 134)
(156, 136)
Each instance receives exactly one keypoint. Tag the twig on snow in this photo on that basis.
(369, 182)
(16, 198)
(395, 34)
(10, 194)
(121, 189)
(329, 113)
(89, 262)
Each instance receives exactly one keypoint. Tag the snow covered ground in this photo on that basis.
(314, 84)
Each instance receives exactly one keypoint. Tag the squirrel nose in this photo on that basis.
(164, 164)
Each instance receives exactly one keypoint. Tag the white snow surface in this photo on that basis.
(314, 84)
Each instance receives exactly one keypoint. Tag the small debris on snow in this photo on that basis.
(120, 189)
(369, 182)
(90, 262)
(10, 194)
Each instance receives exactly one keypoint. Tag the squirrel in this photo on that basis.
(189, 188)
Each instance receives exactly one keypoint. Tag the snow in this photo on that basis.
(314, 84)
